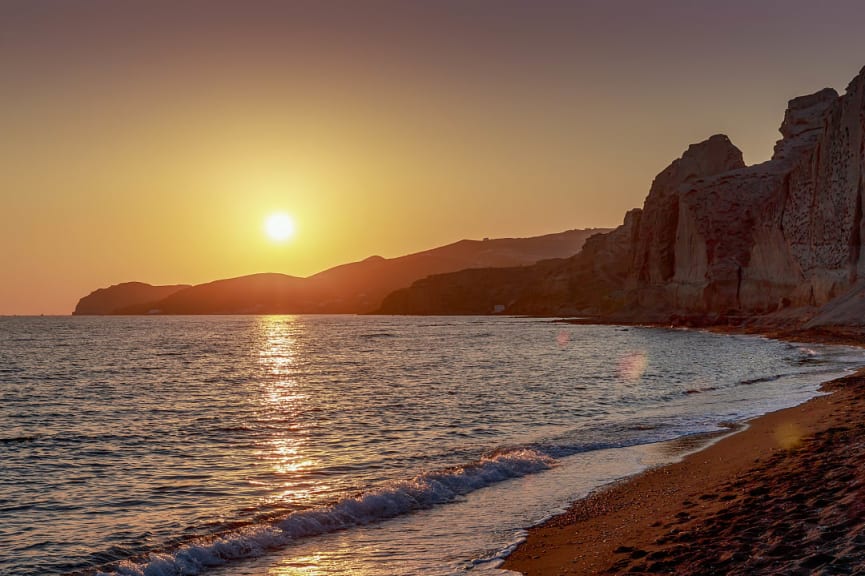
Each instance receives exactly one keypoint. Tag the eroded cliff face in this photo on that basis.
(717, 238)
(787, 232)
(655, 251)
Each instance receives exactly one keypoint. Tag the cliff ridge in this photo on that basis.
(718, 239)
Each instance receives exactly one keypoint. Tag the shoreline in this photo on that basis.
(781, 495)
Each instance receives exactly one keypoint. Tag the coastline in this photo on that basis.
(782, 495)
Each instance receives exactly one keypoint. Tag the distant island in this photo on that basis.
(716, 242)
(355, 288)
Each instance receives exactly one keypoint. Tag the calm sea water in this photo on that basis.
(343, 445)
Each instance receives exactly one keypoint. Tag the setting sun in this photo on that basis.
(279, 227)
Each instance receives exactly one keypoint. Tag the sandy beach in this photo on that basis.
(786, 495)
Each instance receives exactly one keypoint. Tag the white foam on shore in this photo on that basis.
(472, 534)
(393, 499)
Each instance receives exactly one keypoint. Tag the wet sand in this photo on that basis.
(786, 495)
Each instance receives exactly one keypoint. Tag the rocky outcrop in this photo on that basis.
(717, 238)
(108, 300)
(738, 231)
(654, 260)
(778, 234)
(357, 287)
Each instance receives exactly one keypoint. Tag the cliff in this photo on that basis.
(107, 300)
(357, 287)
(717, 239)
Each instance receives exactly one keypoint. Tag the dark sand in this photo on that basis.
(784, 496)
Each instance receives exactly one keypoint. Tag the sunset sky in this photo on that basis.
(149, 140)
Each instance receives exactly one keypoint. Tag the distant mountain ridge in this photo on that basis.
(353, 288)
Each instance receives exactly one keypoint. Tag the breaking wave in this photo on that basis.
(393, 499)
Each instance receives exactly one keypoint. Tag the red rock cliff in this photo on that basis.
(783, 233)
(715, 236)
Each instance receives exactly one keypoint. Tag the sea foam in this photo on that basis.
(392, 499)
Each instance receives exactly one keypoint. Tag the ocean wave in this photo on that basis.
(393, 499)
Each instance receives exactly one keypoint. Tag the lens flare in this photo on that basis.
(632, 366)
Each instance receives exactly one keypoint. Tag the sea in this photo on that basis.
(337, 445)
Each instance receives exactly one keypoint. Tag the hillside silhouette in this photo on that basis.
(354, 288)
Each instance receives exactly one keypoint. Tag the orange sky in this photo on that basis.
(148, 140)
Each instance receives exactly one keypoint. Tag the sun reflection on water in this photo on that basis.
(308, 565)
(282, 405)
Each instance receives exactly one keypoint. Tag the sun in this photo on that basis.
(279, 226)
